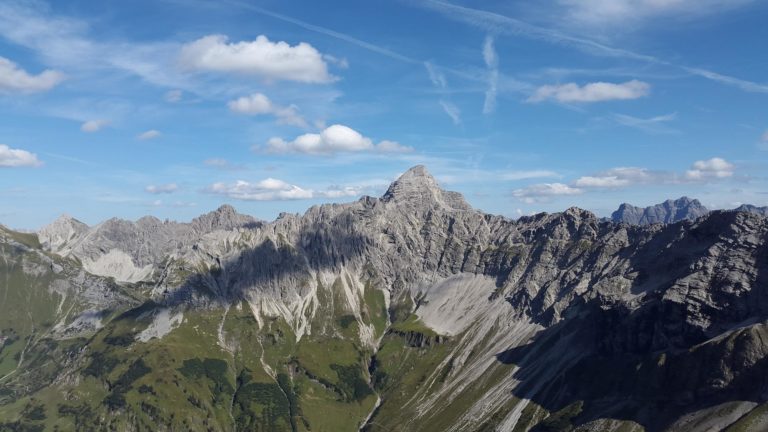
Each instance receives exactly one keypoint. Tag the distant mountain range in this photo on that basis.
(406, 312)
(671, 211)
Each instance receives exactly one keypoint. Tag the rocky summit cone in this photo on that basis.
(418, 188)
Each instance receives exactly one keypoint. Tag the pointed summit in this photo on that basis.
(223, 218)
(61, 233)
(417, 187)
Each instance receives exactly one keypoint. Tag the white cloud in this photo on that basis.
(441, 83)
(265, 190)
(173, 96)
(340, 192)
(437, 77)
(618, 12)
(624, 176)
(501, 24)
(162, 189)
(177, 204)
(334, 139)
(259, 104)
(764, 138)
(491, 59)
(222, 164)
(261, 57)
(271, 189)
(601, 182)
(524, 175)
(544, 192)
(715, 168)
(148, 135)
(452, 110)
(592, 92)
(93, 125)
(652, 125)
(13, 78)
(12, 158)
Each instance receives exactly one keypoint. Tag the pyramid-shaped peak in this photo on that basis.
(225, 217)
(65, 220)
(418, 187)
(415, 180)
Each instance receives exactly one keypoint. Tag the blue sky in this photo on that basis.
(174, 107)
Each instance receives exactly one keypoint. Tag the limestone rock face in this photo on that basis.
(62, 234)
(131, 251)
(669, 211)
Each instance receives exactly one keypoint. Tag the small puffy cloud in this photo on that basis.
(592, 92)
(334, 139)
(340, 192)
(148, 135)
(524, 175)
(623, 176)
(265, 190)
(259, 104)
(173, 96)
(15, 79)
(544, 192)
(387, 146)
(715, 168)
(93, 125)
(261, 57)
(13, 158)
(162, 189)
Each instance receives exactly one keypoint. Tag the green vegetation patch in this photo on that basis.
(261, 406)
(213, 369)
(351, 383)
(116, 398)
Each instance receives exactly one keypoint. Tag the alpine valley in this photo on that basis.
(408, 312)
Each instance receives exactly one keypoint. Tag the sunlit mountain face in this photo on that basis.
(400, 216)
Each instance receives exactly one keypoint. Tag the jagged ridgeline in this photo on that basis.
(409, 312)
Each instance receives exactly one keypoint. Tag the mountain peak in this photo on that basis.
(225, 217)
(417, 187)
(670, 211)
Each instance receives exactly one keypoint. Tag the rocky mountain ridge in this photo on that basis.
(414, 311)
(669, 211)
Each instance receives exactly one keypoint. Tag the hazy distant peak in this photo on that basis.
(670, 211)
